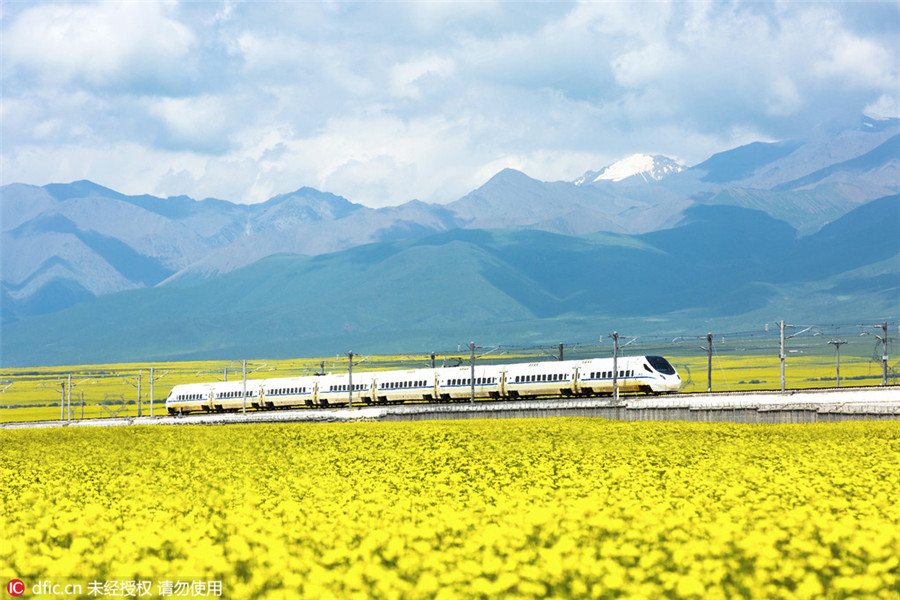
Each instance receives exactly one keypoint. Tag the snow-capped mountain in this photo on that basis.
(650, 167)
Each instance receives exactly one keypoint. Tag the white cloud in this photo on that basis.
(886, 107)
(198, 123)
(108, 45)
(406, 78)
(385, 102)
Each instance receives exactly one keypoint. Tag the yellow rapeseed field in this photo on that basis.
(561, 508)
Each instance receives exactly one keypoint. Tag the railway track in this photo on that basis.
(761, 406)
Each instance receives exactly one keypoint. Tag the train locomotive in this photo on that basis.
(574, 378)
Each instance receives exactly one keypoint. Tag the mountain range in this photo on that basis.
(91, 275)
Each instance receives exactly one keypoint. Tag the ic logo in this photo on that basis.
(15, 587)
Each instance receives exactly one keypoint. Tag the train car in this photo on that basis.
(189, 397)
(542, 379)
(288, 391)
(456, 383)
(334, 389)
(233, 395)
(412, 385)
(634, 374)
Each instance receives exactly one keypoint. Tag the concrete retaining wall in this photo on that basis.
(769, 407)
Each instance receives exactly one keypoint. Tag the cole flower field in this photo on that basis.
(564, 508)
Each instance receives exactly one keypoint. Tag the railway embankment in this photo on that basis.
(745, 407)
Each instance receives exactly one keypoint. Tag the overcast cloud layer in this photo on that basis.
(386, 102)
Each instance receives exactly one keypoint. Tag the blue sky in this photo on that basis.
(387, 102)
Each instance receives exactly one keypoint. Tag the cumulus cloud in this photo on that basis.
(108, 45)
(384, 103)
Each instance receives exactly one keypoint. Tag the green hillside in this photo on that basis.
(724, 265)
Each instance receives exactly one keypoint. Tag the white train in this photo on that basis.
(592, 377)
(573, 378)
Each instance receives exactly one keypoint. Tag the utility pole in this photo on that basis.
(472, 348)
(709, 349)
(152, 379)
(837, 346)
(69, 395)
(140, 376)
(62, 401)
(432, 360)
(350, 373)
(244, 386)
(884, 352)
(560, 352)
(615, 337)
(151, 391)
(781, 355)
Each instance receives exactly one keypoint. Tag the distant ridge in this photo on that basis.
(64, 244)
(722, 265)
